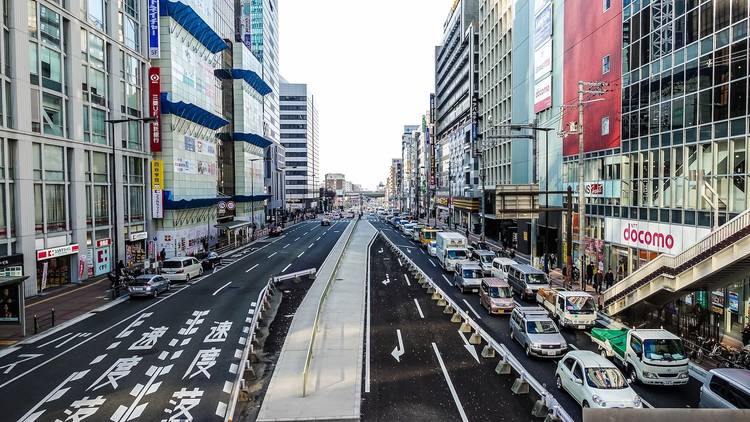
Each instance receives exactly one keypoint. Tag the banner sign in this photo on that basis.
(432, 108)
(153, 29)
(157, 174)
(657, 237)
(543, 25)
(543, 94)
(543, 60)
(43, 254)
(154, 90)
(157, 203)
(102, 260)
(45, 269)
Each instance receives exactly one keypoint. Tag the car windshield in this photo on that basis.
(486, 259)
(536, 279)
(472, 274)
(500, 292)
(140, 282)
(581, 305)
(605, 378)
(663, 349)
(457, 253)
(172, 264)
(541, 327)
(429, 235)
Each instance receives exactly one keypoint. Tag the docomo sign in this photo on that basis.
(631, 233)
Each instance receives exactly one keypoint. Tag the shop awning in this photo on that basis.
(252, 138)
(9, 281)
(256, 82)
(192, 22)
(231, 225)
(250, 198)
(191, 112)
(185, 204)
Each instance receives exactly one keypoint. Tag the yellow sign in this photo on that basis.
(157, 174)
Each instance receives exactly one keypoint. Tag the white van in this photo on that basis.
(181, 268)
(500, 267)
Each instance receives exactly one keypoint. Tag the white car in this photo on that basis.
(431, 248)
(181, 268)
(594, 381)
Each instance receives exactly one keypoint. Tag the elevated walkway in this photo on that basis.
(714, 262)
(334, 373)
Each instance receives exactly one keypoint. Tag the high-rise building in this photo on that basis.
(457, 110)
(410, 160)
(299, 137)
(394, 183)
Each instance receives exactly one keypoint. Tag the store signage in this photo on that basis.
(154, 90)
(432, 108)
(102, 261)
(138, 236)
(225, 209)
(153, 29)
(543, 23)
(157, 174)
(543, 94)
(103, 242)
(43, 254)
(543, 60)
(157, 204)
(651, 236)
(594, 189)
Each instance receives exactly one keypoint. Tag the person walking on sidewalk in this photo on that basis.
(589, 273)
(598, 282)
(746, 335)
(609, 278)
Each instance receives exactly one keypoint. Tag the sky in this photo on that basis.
(369, 65)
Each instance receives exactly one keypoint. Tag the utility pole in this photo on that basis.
(581, 191)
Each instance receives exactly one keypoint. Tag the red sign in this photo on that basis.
(154, 90)
(55, 252)
(594, 189)
(103, 242)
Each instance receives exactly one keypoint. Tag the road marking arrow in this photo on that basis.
(387, 280)
(381, 250)
(399, 350)
(469, 347)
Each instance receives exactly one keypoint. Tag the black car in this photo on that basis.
(209, 260)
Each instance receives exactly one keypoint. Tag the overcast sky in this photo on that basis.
(370, 66)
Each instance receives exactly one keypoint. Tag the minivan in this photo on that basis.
(726, 388)
(500, 267)
(536, 332)
(526, 280)
(181, 268)
(496, 296)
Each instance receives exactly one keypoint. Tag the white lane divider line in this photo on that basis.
(421, 315)
(269, 256)
(251, 268)
(297, 239)
(433, 263)
(407, 280)
(450, 384)
(447, 281)
(311, 245)
(221, 409)
(221, 288)
(399, 262)
(471, 309)
(300, 255)
(318, 238)
(286, 268)
(228, 387)
(286, 246)
(50, 342)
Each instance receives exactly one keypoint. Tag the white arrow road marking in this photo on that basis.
(450, 384)
(472, 309)
(447, 281)
(469, 347)
(387, 280)
(221, 288)
(251, 268)
(26, 356)
(408, 250)
(421, 315)
(399, 350)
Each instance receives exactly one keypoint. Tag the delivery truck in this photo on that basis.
(572, 309)
(450, 248)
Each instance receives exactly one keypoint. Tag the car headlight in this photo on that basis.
(536, 346)
(598, 400)
(637, 402)
(528, 291)
(649, 375)
(683, 375)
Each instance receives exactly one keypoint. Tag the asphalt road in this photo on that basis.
(542, 370)
(421, 367)
(171, 358)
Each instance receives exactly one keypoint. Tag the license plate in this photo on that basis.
(474, 290)
(549, 352)
(581, 327)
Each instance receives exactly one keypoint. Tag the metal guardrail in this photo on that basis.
(308, 358)
(310, 271)
(549, 401)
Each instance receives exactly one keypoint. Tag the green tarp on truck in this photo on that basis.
(616, 338)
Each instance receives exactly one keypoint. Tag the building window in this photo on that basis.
(131, 92)
(94, 12)
(129, 26)
(133, 189)
(605, 64)
(606, 4)
(50, 188)
(46, 65)
(605, 126)
(6, 115)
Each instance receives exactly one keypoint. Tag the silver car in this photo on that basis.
(468, 276)
(148, 285)
(536, 332)
(726, 388)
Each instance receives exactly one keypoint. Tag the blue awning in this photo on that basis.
(252, 79)
(251, 138)
(250, 198)
(192, 113)
(185, 204)
(192, 22)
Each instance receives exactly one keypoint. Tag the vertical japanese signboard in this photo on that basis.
(154, 90)
(153, 29)
(543, 55)
(157, 185)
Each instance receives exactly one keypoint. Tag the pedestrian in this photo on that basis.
(120, 268)
(609, 278)
(598, 282)
(162, 255)
(589, 273)
(746, 335)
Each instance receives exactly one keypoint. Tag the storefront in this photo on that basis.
(53, 266)
(135, 249)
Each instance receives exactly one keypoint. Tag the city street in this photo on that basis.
(542, 370)
(171, 358)
(421, 366)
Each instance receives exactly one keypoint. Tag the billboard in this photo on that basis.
(154, 90)
(657, 237)
(543, 94)
(153, 29)
(543, 24)
(543, 60)
(157, 184)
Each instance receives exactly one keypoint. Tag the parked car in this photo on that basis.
(594, 381)
(536, 332)
(496, 296)
(148, 285)
(209, 260)
(468, 276)
(432, 248)
(325, 222)
(181, 268)
(727, 388)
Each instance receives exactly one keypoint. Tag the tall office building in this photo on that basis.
(299, 137)
(457, 110)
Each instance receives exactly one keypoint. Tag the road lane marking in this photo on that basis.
(447, 281)
(301, 253)
(58, 391)
(221, 288)
(251, 268)
(421, 315)
(407, 280)
(450, 384)
(297, 239)
(269, 256)
(221, 407)
(318, 238)
(472, 309)
(399, 262)
(286, 268)
(286, 246)
(399, 350)
(311, 245)
(433, 263)
(50, 342)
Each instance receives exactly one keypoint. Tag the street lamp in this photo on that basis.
(113, 186)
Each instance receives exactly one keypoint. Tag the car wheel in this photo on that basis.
(511, 334)
(169, 286)
(632, 375)
(558, 382)
(187, 278)
(200, 272)
(156, 293)
(603, 353)
(528, 351)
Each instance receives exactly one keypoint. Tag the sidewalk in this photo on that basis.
(335, 375)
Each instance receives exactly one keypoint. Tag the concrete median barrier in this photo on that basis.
(520, 385)
(475, 338)
(488, 352)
